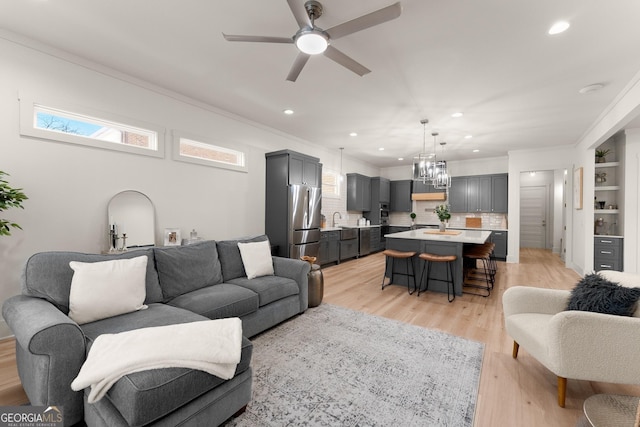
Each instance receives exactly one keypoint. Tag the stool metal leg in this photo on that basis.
(413, 274)
(384, 275)
(450, 283)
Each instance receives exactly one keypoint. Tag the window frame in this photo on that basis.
(336, 175)
(29, 107)
(177, 135)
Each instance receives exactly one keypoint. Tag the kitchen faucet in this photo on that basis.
(334, 217)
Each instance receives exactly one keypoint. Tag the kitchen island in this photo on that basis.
(431, 241)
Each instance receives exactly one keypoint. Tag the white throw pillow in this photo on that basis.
(256, 257)
(108, 288)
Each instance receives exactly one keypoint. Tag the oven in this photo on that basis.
(384, 213)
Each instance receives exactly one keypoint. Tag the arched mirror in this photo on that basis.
(131, 212)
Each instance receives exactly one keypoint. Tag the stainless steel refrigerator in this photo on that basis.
(304, 221)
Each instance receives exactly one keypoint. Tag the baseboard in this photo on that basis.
(5, 332)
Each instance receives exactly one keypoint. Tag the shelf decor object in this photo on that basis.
(577, 188)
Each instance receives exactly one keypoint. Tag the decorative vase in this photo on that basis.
(442, 226)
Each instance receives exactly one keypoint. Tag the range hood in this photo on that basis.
(429, 196)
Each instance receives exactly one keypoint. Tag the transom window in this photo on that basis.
(80, 125)
(197, 150)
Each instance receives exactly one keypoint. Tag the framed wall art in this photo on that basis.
(172, 237)
(577, 188)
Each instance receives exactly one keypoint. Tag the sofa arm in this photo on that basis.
(296, 270)
(50, 349)
(596, 347)
(525, 299)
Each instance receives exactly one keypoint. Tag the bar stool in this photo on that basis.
(431, 258)
(393, 255)
(485, 278)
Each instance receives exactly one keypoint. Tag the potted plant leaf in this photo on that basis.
(413, 220)
(443, 215)
(601, 155)
(9, 198)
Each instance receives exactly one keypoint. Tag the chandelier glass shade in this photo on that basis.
(427, 168)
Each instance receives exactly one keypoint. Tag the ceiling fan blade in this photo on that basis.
(260, 39)
(342, 59)
(297, 66)
(365, 21)
(299, 12)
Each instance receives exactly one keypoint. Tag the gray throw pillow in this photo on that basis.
(230, 258)
(183, 269)
(597, 294)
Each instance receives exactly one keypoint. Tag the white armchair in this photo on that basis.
(572, 344)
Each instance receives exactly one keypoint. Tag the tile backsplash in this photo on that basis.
(425, 215)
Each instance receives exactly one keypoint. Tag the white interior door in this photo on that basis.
(533, 217)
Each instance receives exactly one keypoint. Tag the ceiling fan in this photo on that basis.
(312, 40)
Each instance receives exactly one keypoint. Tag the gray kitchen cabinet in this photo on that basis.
(425, 187)
(287, 167)
(376, 243)
(458, 194)
(479, 193)
(401, 196)
(607, 253)
(380, 195)
(500, 193)
(358, 192)
(329, 247)
(398, 228)
(304, 170)
(499, 238)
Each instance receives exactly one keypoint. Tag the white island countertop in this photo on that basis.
(465, 236)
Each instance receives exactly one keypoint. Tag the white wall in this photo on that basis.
(456, 168)
(69, 186)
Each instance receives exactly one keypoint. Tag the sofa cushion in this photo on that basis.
(47, 275)
(107, 288)
(269, 288)
(595, 293)
(143, 397)
(220, 301)
(230, 258)
(256, 259)
(182, 269)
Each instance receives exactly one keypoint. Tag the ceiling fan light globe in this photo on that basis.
(311, 41)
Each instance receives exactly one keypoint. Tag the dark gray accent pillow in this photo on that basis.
(230, 257)
(47, 275)
(183, 269)
(597, 294)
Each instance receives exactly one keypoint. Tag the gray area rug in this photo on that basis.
(333, 366)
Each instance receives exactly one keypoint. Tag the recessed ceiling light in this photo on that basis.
(353, 134)
(400, 158)
(591, 88)
(476, 151)
(457, 114)
(468, 136)
(559, 27)
(381, 149)
(288, 112)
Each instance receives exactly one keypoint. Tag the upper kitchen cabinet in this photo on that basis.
(425, 187)
(380, 197)
(458, 194)
(401, 196)
(500, 193)
(293, 168)
(358, 192)
(479, 194)
(381, 187)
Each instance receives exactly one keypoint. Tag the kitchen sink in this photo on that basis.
(348, 233)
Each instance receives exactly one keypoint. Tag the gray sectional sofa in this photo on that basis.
(183, 284)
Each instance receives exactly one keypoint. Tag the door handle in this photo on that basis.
(544, 222)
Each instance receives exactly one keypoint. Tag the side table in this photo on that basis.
(610, 410)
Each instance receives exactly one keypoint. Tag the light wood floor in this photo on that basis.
(512, 392)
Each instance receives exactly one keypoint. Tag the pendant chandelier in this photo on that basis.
(426, 167)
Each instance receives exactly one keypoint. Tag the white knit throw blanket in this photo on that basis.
(212, 346)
